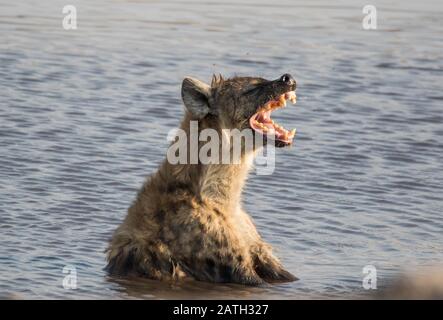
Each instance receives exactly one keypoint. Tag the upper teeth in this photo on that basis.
(281, 100)
(291, 96)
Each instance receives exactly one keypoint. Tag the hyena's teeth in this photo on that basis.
(285, 136)
(282, 100)
(268, 126)
(291, 96)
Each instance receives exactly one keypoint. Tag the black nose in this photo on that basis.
(288, 79)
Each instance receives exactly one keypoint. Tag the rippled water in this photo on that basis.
(84, 116)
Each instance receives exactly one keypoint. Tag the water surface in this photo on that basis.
(84, 116)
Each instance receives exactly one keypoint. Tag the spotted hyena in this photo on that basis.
(187, 220)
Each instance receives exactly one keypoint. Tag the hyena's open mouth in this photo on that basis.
(262, 123)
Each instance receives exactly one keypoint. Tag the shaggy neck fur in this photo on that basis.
(220, 183)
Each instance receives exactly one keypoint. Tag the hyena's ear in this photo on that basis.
(195, 95)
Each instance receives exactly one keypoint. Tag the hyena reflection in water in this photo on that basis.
(187, 220)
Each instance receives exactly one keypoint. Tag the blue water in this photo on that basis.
(84, 116)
